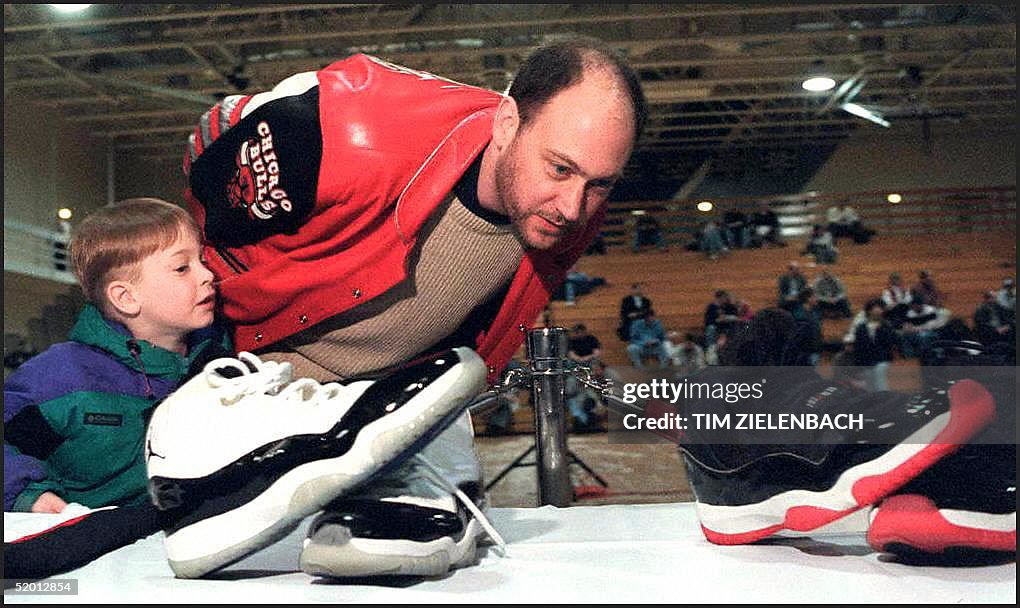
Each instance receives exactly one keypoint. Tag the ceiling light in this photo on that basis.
(705, 206)
(894, 198)
(818, 84)
(865, 113)
(69, 8)
(64, 213)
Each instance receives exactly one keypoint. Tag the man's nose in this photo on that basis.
(571, 201)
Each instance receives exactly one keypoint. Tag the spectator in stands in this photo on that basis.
(831, 295)
(765, 227)
(712, 242)
(806, 312)
(844, 221)
(1006, 297)
(720, 315)
(896, 298)
(500, 422)
(992, 323)
(647, 231)
(744, 310)
(736, 229)
(791, 283)
(597, 247)
(821, 246)
(927, 292)
(920, 326)
(632, 308)
(687, 357)
(647, 339)
(577, 284)
(583, 349)
(874, 341)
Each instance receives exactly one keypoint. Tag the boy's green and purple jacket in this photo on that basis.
(75, 415)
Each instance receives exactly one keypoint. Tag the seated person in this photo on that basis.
(844, 221)
(765, 227)
(874, 341)
(992, 323)
(791, 283)
(744, 311)
(577, 284)
(647, 339)
(584, 350)
(501, 419)
(597, 247)
(632, 308)
(737, 230)
(896, 298)
(831, 296)
(720, 315)
(647, 231)
(821, 246)
(687, 357)
(75, 415)
(920, 325)
(927, 292)
(1006, 297)
(712, 242)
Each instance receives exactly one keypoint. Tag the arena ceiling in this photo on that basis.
(721, 78)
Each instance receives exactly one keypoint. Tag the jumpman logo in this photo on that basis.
(151, 452)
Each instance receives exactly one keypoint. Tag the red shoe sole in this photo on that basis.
(915, 521)
(971, 409)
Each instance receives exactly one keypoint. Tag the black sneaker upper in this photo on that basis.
(397, 520)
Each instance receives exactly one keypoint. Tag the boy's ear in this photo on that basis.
(121, 296)
(505, 126)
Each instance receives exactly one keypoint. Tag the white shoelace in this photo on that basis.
(438, 477)
(268, 377)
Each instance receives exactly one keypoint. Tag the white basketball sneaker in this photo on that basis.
(422, 519)
(240, 454)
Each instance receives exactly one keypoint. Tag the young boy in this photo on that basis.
(75, 415)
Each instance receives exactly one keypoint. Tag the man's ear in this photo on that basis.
(121, 296)
(504, 128)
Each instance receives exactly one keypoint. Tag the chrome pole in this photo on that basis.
(547, 353)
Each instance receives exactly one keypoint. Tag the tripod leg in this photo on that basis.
(513, 465)
(589, 470)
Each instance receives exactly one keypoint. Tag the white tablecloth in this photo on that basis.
(620, 553)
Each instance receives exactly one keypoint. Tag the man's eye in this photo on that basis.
(181, 268)
(561, 170)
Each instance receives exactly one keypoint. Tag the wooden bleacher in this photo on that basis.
(966, 238)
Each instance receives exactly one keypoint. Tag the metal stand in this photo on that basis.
(547, 354)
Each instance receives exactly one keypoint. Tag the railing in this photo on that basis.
(36, 251)
(920, 211)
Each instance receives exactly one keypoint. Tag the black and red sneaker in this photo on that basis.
(747, 492)
(961, 509)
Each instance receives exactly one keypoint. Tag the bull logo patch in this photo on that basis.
(255, 185)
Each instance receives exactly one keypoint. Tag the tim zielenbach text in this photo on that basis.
(666, 415)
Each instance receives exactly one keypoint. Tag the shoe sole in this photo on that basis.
(911, 523)
(971, 409)
(364, 557)
(308, 488)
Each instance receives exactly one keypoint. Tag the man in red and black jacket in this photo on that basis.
(367, 214)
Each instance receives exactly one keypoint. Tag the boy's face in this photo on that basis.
(175, 293)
